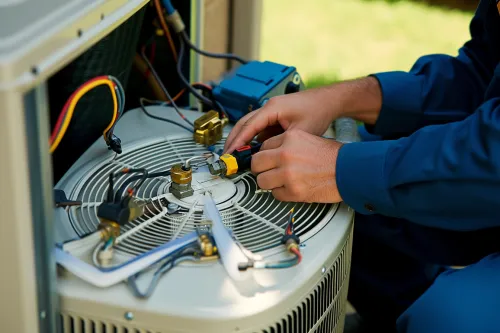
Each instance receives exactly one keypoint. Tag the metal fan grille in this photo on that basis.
(256, 220)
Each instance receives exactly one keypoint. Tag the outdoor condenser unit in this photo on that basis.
(311, 297)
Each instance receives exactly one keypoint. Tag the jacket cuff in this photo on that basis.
(361, 179)
(401, 111)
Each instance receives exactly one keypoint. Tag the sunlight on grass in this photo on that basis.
(329, 40)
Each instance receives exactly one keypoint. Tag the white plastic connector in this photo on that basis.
(175, 20)
(105, 257)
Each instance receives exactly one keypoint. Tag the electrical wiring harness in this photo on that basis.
(290, 240)
(64, 119)
(175, 21)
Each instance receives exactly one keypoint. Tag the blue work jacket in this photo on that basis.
(443, 170)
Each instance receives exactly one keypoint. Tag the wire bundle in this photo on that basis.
(116, 197)
(64, 119)
(290, 240)
(184, 41)
(111, 197)
(186, 253)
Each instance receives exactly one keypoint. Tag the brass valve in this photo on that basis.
(181, 181)
(208, 128)
(180, 174)
(207, 247)
(109, 229)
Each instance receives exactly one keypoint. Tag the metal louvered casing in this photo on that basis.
(310, 297)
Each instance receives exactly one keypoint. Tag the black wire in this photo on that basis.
(202, 98)
(160, 83)
(132, 179)
(160, 118)
(211, 103)
(229, 56)
(221, 109)
(110, 187)
(113, 175)
(141, 181)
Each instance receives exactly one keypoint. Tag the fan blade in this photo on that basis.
(230, 253)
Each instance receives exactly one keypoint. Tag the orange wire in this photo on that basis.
(297, 253)
(179, 94)
(165, 28)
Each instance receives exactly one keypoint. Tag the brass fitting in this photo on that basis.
(181, 181)
(291, 244)
(109, 229)
(136, 209)
(180, 175)
(208, 249)
(208, 128)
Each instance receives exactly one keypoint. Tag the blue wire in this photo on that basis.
(168, 6)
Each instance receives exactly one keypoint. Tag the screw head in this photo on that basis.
(172, 207)
(302, 245)
(43, 314)
(129, 315)
(323, 270)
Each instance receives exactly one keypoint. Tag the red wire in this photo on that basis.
(153, 53)
(202, 84)
(66, 105)
(297, 253)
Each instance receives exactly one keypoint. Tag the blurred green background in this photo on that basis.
(330, 40)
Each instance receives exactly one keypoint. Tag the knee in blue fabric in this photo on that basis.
(460, 301)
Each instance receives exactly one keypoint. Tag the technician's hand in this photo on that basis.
(306, 110)
(310, 110)
(298, 167)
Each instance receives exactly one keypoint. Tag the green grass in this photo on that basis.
(330, 40)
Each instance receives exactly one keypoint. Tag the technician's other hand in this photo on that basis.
(311, 111)
(298, 167)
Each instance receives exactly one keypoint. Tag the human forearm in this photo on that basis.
(360, 99)
(443, 176)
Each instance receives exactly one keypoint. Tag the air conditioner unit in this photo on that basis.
(309, 297)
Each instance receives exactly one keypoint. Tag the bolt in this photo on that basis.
(323, 270)
(172, 207)
(303, 245)
(43, 314)
(129, 315)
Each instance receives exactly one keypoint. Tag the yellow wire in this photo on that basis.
(72, 106)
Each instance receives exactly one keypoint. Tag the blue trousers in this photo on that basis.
(401, 280)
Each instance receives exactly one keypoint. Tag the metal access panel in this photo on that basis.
(37, 39)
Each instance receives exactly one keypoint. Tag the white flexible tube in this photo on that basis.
(230, 253)
(107, 277)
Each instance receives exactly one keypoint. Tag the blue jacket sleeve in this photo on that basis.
(443, 176)
(439, 88)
